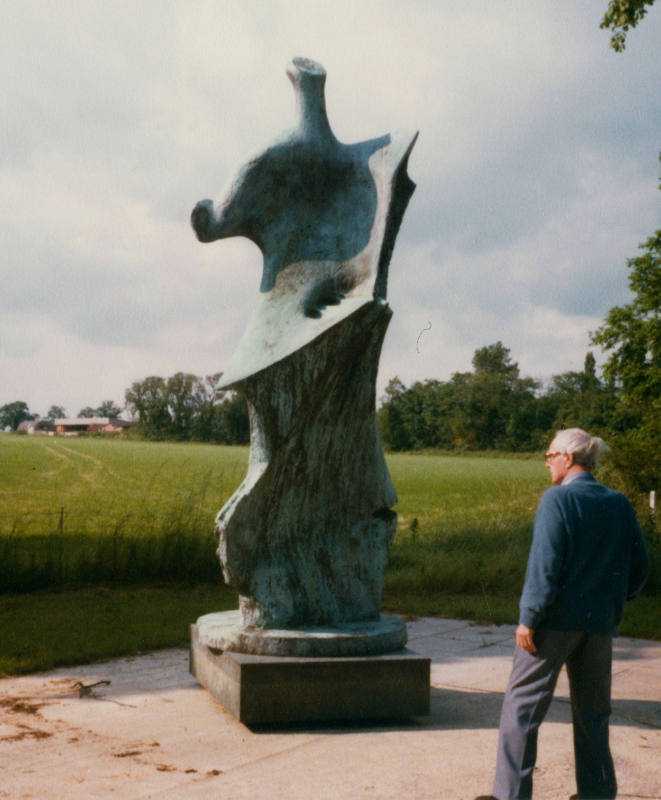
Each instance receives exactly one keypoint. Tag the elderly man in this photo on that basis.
(587, 558)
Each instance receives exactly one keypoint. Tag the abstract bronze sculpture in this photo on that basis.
(305, 538)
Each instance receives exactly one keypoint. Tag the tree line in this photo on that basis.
(188, 407)
(492, 407)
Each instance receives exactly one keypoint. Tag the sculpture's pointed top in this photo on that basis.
(308, 79)
(299, 66)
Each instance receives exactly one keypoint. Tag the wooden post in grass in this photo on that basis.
(653, 509)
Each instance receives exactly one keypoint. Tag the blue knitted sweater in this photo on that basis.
(587, 558)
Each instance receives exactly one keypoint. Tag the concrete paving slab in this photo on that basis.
(487, 671)
(625, 649)
(152, 732)
(424, 626)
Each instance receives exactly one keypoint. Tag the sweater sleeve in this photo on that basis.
(545, 562)
(640, 562)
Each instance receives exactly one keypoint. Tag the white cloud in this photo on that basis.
(536, 170)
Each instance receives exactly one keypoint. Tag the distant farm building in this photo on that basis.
(90, 425)
(32, 426)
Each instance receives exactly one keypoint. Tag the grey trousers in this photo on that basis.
(529, 693)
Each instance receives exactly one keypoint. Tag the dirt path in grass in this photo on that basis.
(97, 465)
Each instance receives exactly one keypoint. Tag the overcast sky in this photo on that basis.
(536, 169)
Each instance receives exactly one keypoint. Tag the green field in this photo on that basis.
(100, 482)
(90, 509)
(95, 523)
(103, 482)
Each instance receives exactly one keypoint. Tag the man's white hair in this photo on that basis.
(586, 449)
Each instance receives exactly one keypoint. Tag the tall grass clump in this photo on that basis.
(470, 560)
(133, 548)
(474, 572)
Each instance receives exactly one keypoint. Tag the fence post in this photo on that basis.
(653, 510)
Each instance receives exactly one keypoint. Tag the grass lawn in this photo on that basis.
(45, 629)
(107, 546)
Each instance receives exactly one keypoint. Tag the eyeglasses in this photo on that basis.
(549, 456)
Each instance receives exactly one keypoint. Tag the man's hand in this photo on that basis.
(525, 638)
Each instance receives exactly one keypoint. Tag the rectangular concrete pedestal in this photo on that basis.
(267, 689)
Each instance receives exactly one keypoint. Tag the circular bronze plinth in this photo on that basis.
(225, 631)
